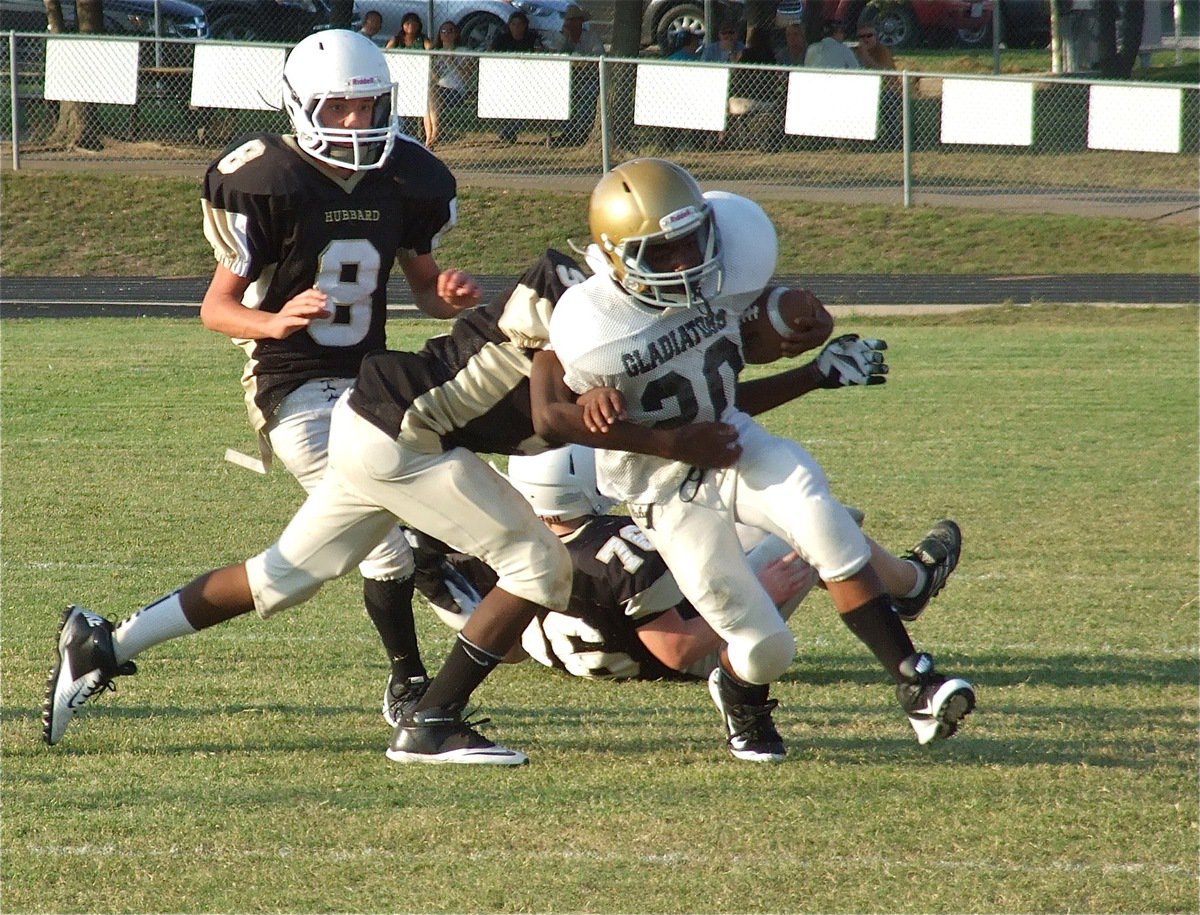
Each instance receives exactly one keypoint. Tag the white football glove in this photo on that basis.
(849, 359)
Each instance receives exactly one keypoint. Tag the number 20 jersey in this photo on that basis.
(275, 217)
(675, 366)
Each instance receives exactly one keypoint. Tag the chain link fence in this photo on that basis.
(899, 137)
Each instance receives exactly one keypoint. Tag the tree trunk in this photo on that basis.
(760, 14)
(1120, 38)
(814, 22)
(78, 125)
(1129, 39)
(626, 42)
(627, 29)
(1106, 37)
(91, 16)
(342, 11)
(54, 16)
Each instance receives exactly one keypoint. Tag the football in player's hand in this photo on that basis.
(786, 324)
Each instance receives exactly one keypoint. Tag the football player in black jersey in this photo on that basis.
(305, 229)
(626, 618)
(403, 444)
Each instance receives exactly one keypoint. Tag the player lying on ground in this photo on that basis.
(658, 323)
(626, 618)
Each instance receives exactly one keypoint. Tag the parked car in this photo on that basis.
(478, 20)
(1026, 23)
(663, 19)
(264, 20)
(177, 19)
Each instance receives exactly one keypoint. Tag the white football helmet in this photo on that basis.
(644, 202)
(337, 63)
(559, 484)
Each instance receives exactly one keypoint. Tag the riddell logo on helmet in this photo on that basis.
(687, 215)
(363, 81)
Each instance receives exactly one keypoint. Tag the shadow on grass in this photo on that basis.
(1022, 718)
(1066, 671)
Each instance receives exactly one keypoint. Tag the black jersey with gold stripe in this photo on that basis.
(469, 388)
(620, 583)
(275, 216)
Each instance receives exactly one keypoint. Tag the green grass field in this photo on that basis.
(243, 769)
(138, 225)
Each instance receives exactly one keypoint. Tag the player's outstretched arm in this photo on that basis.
(558, 418)
(846, 361)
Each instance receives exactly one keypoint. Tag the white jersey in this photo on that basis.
(675, 366)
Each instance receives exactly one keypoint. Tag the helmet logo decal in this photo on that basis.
(684, 218)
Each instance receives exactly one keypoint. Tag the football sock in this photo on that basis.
(467, 665)
(880, 629)
(389, 605)
(739, 692)
(922, 577)
(159, 622)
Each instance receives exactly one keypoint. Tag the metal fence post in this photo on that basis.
(997, 36)
(12, 101)
(906, 130)
(605, 158)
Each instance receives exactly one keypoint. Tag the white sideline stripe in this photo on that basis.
(671, 859)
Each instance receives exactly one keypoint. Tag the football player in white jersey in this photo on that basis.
(626, 619)
(404, 443)
(305, 229)
(658, 324)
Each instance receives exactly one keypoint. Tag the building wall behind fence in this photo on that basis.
(889, 136)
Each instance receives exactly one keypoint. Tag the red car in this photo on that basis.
(902, 25)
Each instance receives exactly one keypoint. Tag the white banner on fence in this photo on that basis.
(1138, 118)
(982, 111)
(91, 70)
(228, 76)
(537, 89)
(842, 105)
(411, 72)
(681, 95)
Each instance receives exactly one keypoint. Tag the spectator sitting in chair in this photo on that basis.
(728, 47)
(585, 81)
(871, 53)
(687, 46)
(372, 23)
(795, 46)
(518, 38)
(411, 36)
(831, 52)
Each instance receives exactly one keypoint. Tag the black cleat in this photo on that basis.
(441, 735)
(85, 666)
(935, 705)
(938, 554)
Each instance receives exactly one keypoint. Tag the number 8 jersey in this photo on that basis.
(674, 365)
(274, 216)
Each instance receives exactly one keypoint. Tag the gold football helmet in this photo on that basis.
(644, 202)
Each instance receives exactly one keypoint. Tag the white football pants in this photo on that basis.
(778, 487)
(299, 437)
(371, 481)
